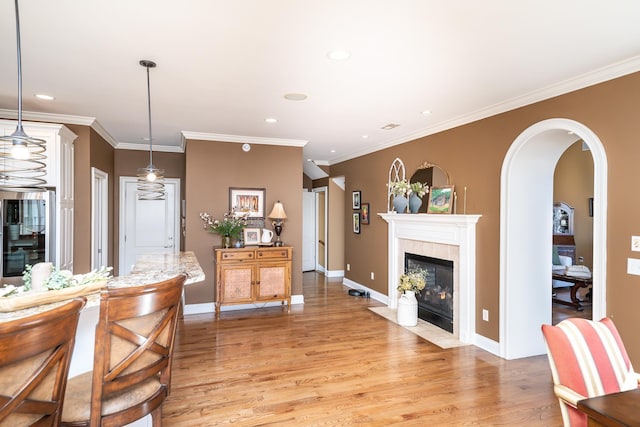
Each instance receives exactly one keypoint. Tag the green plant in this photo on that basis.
(230, 225)
(400, 188)
(413, 281)
(419, 188)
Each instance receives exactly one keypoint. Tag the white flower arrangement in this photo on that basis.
(400, 188)
(413, 281)
(419, 188)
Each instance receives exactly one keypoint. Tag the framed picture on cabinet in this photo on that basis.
(250, 201)
(440, 200)
(356, 222)
(251, 236)
(364, 214)
(355, 199)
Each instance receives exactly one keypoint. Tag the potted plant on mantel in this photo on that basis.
(418, 190)
(400, 190)
(230, 226)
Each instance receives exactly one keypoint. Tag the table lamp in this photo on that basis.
(278, 215)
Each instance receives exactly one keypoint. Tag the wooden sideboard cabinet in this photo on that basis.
(253, 275)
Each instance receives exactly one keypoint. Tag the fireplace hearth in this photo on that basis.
(435, 301)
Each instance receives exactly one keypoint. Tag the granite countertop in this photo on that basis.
(149, 268)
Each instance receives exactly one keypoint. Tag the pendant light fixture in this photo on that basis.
(22, 158)
(150, 179)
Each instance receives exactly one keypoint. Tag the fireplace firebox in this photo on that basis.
(435, 301)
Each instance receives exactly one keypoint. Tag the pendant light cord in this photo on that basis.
(19, 68)
(149, 109)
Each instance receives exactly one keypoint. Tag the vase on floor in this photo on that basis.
(400, 204)
(414, 203)
(408, 309)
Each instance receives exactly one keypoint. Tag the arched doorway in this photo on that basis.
(526, 197)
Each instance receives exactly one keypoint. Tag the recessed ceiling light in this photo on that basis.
(333, 151)
(295, 96)
(338, 55)
(426, 112)
(271, 120)
(45, 97)
(390, 126)
(365, 136)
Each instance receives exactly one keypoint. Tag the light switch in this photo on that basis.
(633, 266)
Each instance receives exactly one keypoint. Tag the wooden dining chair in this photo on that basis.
(133, 352)
(587, 359)
(35, 354)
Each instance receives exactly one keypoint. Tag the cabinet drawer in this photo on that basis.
(237, 256)
(272, 254)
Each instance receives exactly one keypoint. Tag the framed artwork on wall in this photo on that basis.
(356, 222)
(250, 201)
(364, 214)
(440, 200)
(355, 199)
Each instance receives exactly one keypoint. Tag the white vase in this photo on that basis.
(408, 309)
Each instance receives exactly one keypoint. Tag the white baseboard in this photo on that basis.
(372, 294)
(210, 307)
(487, 344)
(334, 273)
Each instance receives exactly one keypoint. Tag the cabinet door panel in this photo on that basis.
(237, 283)
(273, 280)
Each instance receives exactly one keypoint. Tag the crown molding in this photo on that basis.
(242, 139)
(156, 148)
(62, 118)
(610, 72)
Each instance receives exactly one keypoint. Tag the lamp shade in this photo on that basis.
(278, 211)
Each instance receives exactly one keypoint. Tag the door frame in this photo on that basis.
(526, 200)
(324, 190)
(124, 180)
(99, 218)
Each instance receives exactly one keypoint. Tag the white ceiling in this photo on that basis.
(224, 66)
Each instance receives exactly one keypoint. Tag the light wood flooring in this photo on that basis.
(333, 362)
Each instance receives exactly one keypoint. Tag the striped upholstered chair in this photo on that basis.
(587, 359)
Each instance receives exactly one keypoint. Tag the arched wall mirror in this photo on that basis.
(432, 175)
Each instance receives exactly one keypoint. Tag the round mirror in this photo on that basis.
(432, 175)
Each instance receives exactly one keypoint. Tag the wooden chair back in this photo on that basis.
(134, 347)
(35, 354)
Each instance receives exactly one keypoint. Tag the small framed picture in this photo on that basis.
(356, 222)
(355, 200)
(440, 200)
(250, 201)
(251, 236)
(364, 213)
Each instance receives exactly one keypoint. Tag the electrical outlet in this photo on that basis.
(348, 267)
(635, 243)
(485, 315)
(373, 276)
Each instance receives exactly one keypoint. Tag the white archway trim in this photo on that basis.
(525, 204)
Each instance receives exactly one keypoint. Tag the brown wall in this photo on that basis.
(473, 155)
(213, 167)
(573, 184)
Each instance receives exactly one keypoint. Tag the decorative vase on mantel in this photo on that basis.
(226, 242)
(414, 203)
(400, 204)
(407, 309)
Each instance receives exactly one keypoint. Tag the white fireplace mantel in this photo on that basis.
(457, 232)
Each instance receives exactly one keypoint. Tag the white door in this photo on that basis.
(99, 219)
(308, 231)
(147, 226)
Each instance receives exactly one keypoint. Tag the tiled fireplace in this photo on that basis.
(445, 237)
